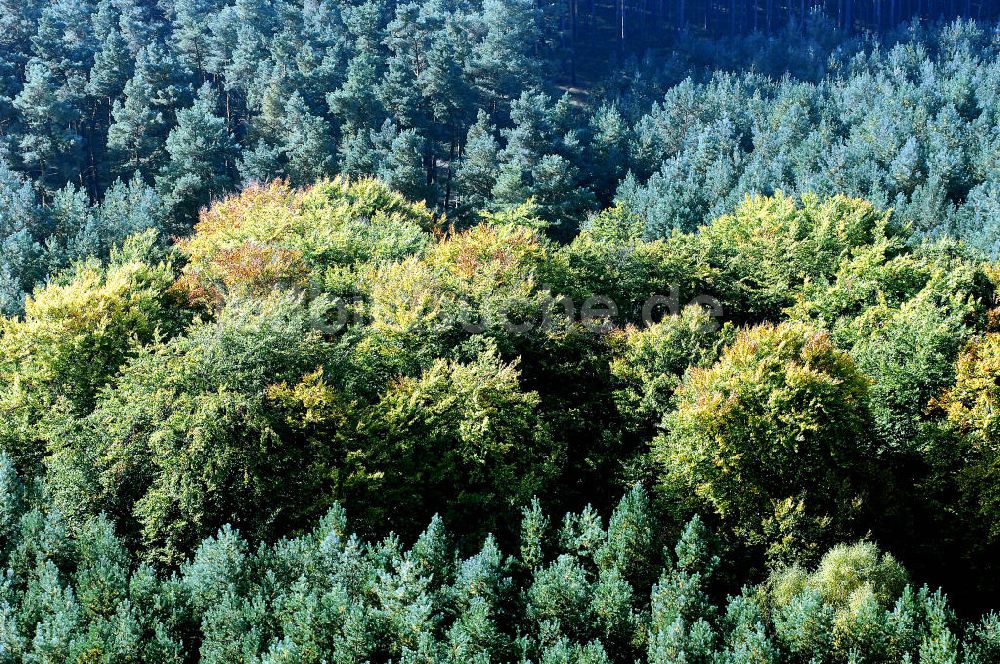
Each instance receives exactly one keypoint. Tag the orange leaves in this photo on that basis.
(244, 210)
(498, 250)
(274, 236)
(259, 268)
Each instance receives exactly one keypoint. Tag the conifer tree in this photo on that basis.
(308, 144)
(113, 62)
(476, 174)
(202, 157)
(48, 146)
(21, 233)
(143, 120)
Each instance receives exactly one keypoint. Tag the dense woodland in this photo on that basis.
(512, 331)
(122, 115)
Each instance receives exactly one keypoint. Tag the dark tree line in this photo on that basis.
(465, 104)
(769, 16)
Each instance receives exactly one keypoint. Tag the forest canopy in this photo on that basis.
(499, 331)
(185, 430)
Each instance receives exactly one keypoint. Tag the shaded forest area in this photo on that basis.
(651, 23)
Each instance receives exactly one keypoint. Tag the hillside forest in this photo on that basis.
(499, 331)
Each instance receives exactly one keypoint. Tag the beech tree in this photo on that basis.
(758, 438)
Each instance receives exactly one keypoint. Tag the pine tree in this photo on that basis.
(357, 154)
(248, 59)
(400, 161)
(68, 215)
(142, 122)
(355, 103)
(557, 191)
(113, 65)
(217, 568)
(442, 82)
(18, 23)
(534, 525)
(261, 163)
(21, 230)
(680, 627)
(139, 23)
(560, 595)
(48, 146)
(476, 174)
(12, 497)
(408, 39)
(307, 143)
(102, 569)
(502, 64)
(191, 32)
(202, 155)
(629, 548)
(127, 209)
(64, 42)
(609, 145)
(55, 612)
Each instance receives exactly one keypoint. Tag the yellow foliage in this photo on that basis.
(974, 403)
(492, 252)
(75, 334)
(92, 312)
(276, 236)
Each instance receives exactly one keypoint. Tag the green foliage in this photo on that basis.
(781, 416)
(857, 603)
(191, 433)
(842, 575)
(75, 334)
(327, 596)
(643, 279)
(800, 371)
(970, 407)
(651, 362)
(770, 247)
(20, 224)
(276, 236)
(201, 152)
(460, 105)
(465, 435)
(48, 147)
